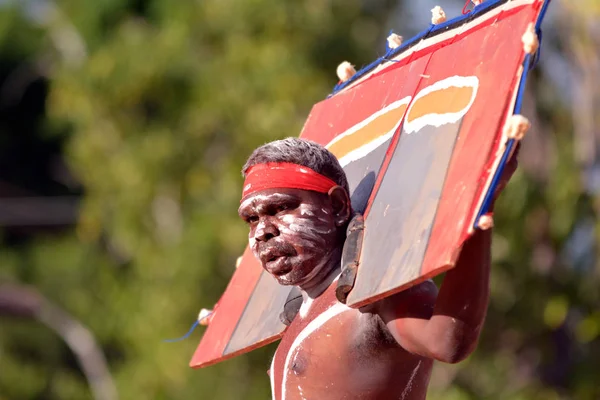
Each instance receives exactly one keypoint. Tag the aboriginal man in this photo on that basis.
(296, 204)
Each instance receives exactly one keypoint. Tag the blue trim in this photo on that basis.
(433, 29)
(483, 7)
(474, 13)
(528, 64)
(522, 82)
(538, 30)
(388, 54)
(542, 14)
(461, 18)
(487, 201)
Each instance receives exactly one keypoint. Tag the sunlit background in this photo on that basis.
(123, 127)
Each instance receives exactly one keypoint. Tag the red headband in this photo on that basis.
(284, 175)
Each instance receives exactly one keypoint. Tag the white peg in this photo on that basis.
(516, 127)
(437, 15)
(204, 317)
(486, 222)
(394, 41)
(345, 71)
(530, 39)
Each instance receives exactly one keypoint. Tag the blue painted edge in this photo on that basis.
(528, 63)
(478, 10)
(389, 54)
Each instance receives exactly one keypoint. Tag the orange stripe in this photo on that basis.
(444, 101)
(376, 128)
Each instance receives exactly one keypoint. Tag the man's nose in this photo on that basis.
(265, 230)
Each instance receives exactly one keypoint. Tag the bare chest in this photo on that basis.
(340, 354)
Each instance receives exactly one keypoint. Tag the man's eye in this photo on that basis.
(252, 219)
(281, 208)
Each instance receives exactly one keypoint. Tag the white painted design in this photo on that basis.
(409, 384)
(259, 198)
(301, 393)
(315, 324)
(304, 210)
(367, 148)
(372, 145)
(437, 120)
(305, 307)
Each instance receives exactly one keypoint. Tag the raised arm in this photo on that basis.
(445, 326)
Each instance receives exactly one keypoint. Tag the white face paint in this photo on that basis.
(291, 232)
(306, 210)
(288, 219)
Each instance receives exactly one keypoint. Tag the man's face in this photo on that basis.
(293, 232)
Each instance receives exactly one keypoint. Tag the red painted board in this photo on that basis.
(423, 207)
(358, 125)
(227, 311)
(361, 126)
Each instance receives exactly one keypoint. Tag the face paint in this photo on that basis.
(305, 210)
(292, 233)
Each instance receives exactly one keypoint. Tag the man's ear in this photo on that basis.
(340, 204)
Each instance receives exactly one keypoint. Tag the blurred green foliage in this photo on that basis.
(155, 106)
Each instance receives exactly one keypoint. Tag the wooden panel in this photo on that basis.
(419, 233)
(361, 126)
(227, 313)
(357, 126)
(260, 321)
(479, 146)
(360, 137)
(411, 198)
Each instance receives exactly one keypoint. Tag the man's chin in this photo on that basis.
(297, 276)
(287, 280)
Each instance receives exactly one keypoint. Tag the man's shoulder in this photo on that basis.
(426, 290)
(409, 301)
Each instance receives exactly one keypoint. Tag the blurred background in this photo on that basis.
(123, 127)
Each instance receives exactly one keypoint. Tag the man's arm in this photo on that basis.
(446, 327)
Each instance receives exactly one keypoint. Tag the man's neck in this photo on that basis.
(323, 280)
